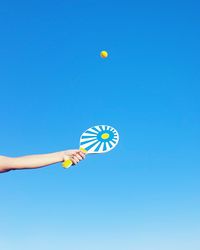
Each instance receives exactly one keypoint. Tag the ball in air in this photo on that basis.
(104, 54)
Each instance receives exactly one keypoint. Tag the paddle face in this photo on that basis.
(99, 139)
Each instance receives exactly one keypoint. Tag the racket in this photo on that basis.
(97, 140)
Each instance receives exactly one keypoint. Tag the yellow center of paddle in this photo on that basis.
(105, 136)
(104, 54)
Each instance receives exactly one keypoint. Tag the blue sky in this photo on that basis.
(54, 85)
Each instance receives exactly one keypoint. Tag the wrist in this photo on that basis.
(61, 156)
(58, 156)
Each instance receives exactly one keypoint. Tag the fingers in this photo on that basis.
(75, 152)
(77, 156)
(75, 160)
(81, 154)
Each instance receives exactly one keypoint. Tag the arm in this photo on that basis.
(38, 161)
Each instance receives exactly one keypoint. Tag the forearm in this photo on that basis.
(30, 161)
(39, 160)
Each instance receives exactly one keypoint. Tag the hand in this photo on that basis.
(74, 155)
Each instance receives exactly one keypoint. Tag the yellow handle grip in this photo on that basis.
(68, 163)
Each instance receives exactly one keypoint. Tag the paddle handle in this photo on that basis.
(68, 163)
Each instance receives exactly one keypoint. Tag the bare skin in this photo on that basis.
(39, 161)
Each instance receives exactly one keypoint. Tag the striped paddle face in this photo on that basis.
(99, 139)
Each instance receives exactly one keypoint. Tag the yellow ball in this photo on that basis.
(104, 54)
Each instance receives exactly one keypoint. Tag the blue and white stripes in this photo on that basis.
(99, 139)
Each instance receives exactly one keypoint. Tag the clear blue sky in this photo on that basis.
(146, 193)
